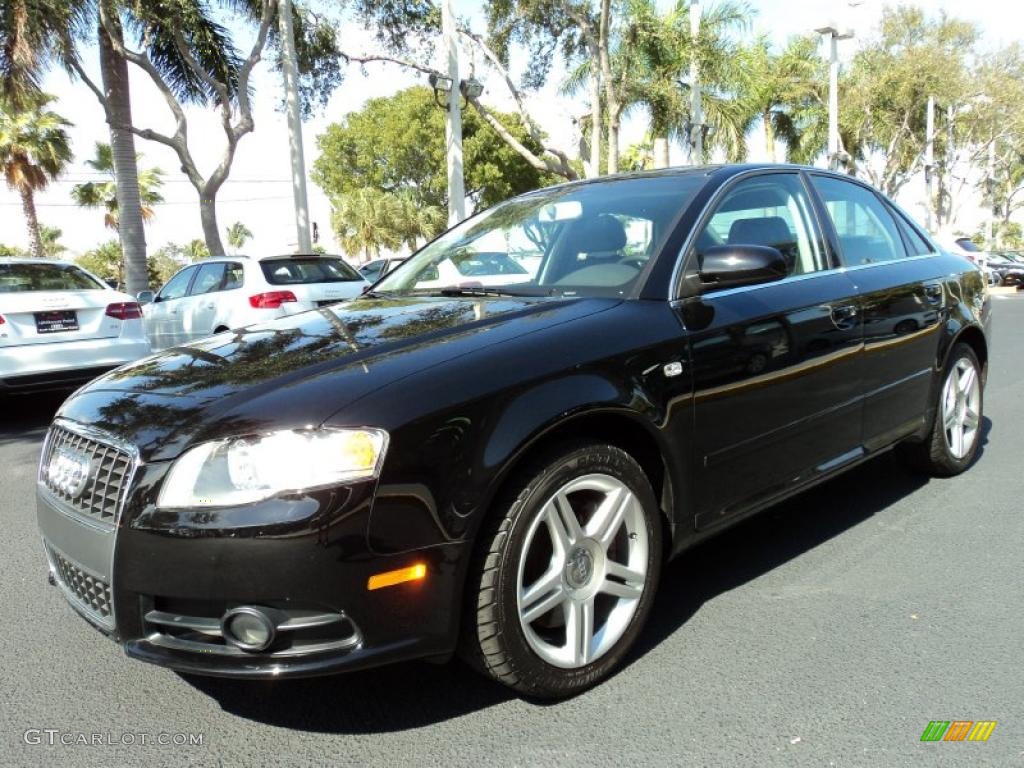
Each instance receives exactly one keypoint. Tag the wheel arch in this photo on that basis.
(974, 337)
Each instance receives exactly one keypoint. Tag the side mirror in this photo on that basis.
(729, 266)
(145, 297)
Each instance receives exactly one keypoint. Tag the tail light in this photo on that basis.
(271, 300)
(2, 321)
(126, 310)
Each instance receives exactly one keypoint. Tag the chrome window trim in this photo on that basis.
(808, 276)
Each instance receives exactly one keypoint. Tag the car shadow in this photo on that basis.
(412, 695)
(27, 417)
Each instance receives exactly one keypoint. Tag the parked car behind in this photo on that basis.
(1008, 266)
(376, 269)
(61, 326)
(964, 246)
(502, 470)
(221, 294)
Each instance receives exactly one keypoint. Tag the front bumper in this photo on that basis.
(197, 564)
(62, 364)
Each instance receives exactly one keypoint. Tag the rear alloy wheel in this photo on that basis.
(956, 431)
(568, 574)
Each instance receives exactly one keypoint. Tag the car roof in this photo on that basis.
(30, 260)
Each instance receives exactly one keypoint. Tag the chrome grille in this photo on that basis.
(108, 477)
(92, 594)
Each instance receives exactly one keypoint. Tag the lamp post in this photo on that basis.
(298, 160)
(833, 34)
(453, 119)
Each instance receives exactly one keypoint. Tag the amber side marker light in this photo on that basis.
(416, 572)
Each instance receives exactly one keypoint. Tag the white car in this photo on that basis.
(224, 293)
(61, 326)
(474, 269)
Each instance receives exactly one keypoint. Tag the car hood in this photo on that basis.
(298, 370)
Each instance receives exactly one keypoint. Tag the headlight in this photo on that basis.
(243, 470)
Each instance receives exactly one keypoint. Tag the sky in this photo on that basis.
(258, 192)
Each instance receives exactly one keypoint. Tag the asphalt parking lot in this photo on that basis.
(827, 631)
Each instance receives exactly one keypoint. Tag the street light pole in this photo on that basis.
(696, 108)
(834, 36)
(453, 119)
(291, 88)
(929, 161)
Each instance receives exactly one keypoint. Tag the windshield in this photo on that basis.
(19, 278)
(579, 240)
(292, 271)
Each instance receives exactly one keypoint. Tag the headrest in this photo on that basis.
(601, 233)
(765, 230)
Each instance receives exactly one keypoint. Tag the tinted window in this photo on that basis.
(292, 271)
(589, 239)
(177, 285)
(866, 230)
(19, 278)
(208, 280)
(968, 245)
(769, 210)
(234, 276)
(916, 245)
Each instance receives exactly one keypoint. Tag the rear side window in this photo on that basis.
(867, 231)
(234, 276)
(292, 271)
(209, 279)
(22, 278)
(916, 245)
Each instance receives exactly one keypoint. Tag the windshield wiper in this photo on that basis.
(474, 291)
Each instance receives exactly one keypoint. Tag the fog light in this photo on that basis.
(248, 628)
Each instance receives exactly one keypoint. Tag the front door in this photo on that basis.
(163, 315)
(202, 304)
(902, 295)
(774, 365)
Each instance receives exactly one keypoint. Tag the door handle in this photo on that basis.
(844, 316)
(934, 292)
(211, 305)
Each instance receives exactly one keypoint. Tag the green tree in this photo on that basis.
(238, 234)
(11, 252)
(396, 144)
(52, 246)
(34, 150)
(364, 222)
(785, 92)
(103, 194)
(105, 260)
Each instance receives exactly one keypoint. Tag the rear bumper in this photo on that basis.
(63, 364)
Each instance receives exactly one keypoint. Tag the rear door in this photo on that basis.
(903, 298)
(50, 302)
(774, 365)
(164, 320)
(201, 307)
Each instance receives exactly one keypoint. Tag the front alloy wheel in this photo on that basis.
(565, 578)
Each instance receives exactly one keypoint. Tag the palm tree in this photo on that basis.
(238, 234)
(783, 91)
(417, 221)
(52, 246)
(34, 150)
(365, 222)
(103, 194)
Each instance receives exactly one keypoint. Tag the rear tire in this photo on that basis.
(955, 435)
(565, 573)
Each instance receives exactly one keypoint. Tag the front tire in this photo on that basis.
(955, 436)
(565, 573)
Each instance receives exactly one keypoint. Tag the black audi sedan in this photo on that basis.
(500, 466)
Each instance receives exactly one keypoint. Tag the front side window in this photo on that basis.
(177, 286)
(303, 271)
(866, 230)
(208, 280)
(577, 240)
(21, 278)
(769, 210)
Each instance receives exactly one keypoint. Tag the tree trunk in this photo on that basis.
(114, 71)
(769, 136)
(208, 216)
(28, 204)
(595, 120)
(661, 152)
(613, 144)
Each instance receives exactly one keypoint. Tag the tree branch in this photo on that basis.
(560, 167)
